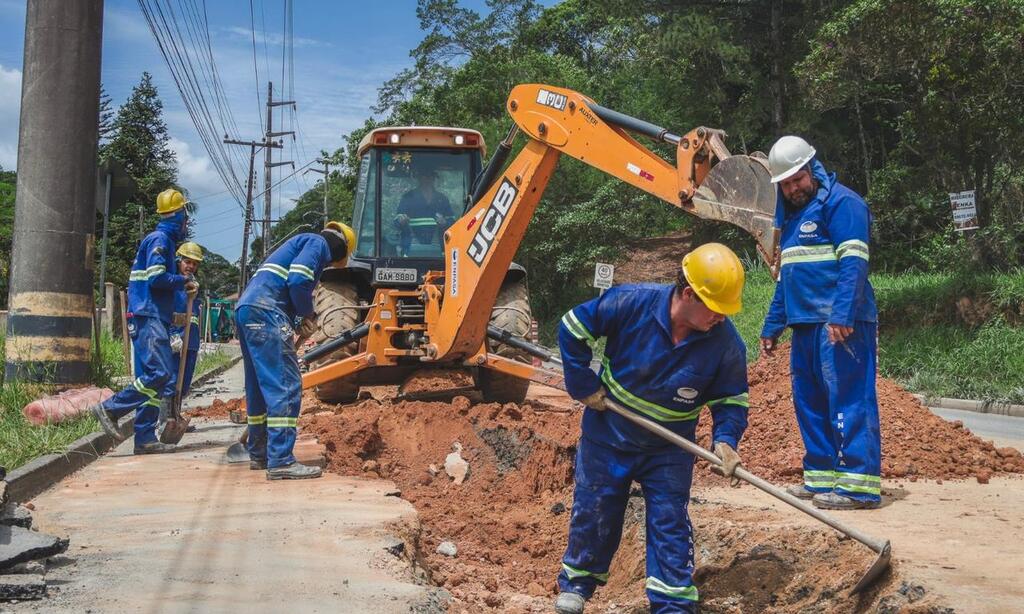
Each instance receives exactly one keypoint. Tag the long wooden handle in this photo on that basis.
(780, 494)
(183, 355)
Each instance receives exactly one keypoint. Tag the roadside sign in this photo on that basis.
(965, 214)
(603, 275)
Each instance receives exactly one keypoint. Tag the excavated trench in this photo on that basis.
(509, 518)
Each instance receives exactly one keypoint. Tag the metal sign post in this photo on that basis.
(603, 275)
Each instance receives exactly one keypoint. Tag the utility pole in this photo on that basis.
(268, 163)
(243, 264)
(51, 277)
(326, 174)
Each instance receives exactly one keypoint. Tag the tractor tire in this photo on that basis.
(512, 313)
(335, 302)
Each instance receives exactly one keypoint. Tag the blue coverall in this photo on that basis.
(151, 286)
(279, 292)
(191, 353)
(644, 370)
(825, 281)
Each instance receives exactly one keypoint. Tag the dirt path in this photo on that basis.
(963, 541)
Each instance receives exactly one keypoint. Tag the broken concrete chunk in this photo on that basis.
(22, 587)
(433, 469)
(3, 491)
(28, 567)
(18, 545)
(394, 546)
(447, 549)
(14, 515)
(456, 466)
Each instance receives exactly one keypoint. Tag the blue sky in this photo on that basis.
(343, 51)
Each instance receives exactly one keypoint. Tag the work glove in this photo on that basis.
(307, 327)
(192, 286)
(179, 319)
(730, 461)
(402, 220)
(176, 344)
(595, 400)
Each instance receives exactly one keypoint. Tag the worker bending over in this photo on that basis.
(824, 295)
(280, 292)
(669, 351)
(151, 287)
(189, 256)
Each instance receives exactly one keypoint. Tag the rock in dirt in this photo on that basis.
(447, 549)
(18, 545)
(395, 547)
(14, 515)
(558, 508)
(455, 466)
(22, 587)
(28, 567)
(3, 490)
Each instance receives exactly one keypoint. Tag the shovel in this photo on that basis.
(882, 547)
(176, 425)
(238, 452)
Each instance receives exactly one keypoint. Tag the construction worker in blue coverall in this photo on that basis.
(825, 297)
(189, 256)
(669, 351)
(152, 284)
(280, 292)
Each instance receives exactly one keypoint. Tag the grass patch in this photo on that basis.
(211, 360)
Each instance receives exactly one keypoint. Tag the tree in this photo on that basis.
(8, 181)
(140, 141)
(218, 276)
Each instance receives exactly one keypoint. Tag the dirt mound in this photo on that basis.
(915, 442)
(509, 519)
(217, 410)
(653, 260)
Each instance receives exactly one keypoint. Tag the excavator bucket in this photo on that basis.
(738, 190)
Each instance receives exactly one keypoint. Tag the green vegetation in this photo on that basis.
(20, 441)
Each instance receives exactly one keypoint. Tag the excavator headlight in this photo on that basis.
(459, 139)
(394, 139)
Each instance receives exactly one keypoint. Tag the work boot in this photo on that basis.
(835, 501)
(107, 421)
(569, 603)
(155, 447)
(257, 465)
(294, 471)
(800, 492)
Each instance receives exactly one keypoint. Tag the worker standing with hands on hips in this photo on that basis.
(670, 350)
(189, 256)
(824, 295)
(280, 292)
(152, 284)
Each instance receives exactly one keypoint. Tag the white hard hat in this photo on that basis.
(788, 155)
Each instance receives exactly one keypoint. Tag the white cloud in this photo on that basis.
(245, 35)
(195, 171)
(127, 26)
(10, 105)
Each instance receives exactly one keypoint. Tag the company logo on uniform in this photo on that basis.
(687, 393)
(493, 219)
(808, 227)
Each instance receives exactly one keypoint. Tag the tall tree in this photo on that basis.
(139, 140)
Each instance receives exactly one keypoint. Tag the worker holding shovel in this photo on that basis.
(189, 256)
(151, 287)
(824, 295)
(670, 350)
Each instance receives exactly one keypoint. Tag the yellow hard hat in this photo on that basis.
(190, 250)
(346, 231)
(169, 201)
(716, 275)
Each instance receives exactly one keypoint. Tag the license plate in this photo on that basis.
(395, 276)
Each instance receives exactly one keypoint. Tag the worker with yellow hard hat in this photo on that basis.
(669, 351)
(279, 295)
(190, 255)
(152, 284)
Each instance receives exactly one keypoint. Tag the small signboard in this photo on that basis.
(603, 275)
(965, 214)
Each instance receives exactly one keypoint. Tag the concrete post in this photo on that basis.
(51, 285)
(109, 308)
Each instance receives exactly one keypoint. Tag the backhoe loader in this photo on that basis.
(432, 283)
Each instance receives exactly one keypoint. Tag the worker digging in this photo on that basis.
(825, 297)
(152, 286)
(670, 350)
(190, 256)
(281, 291)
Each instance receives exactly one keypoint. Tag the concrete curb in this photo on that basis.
(981, 407)
(44, 471)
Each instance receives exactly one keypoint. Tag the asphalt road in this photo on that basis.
(1002, 430)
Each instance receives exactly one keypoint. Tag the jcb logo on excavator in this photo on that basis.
(493, 219)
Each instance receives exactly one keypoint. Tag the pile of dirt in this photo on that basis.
(653, 260)
(509, 519)
(218, 410)
(915, 442)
